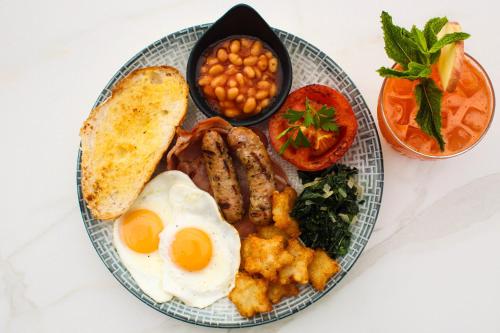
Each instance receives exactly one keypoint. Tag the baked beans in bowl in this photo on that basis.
(239, 69)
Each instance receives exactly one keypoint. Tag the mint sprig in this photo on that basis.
(416, 51)
(428, 96)
(323, 118)
(414, 71)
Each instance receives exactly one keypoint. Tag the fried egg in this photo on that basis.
(136, 234)
(201, 251)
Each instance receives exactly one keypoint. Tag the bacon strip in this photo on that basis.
(186, 138)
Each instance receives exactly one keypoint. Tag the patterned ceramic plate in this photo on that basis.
(310, 65)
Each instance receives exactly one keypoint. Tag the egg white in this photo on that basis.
(192, 207)
(147, 269)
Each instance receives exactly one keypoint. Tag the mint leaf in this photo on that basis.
(432, 27)
(428, 96)
(419, 38)
(293, 116)
(415, 71)
(448, 39)
(398, 44)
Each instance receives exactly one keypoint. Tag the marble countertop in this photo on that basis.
(432, 263)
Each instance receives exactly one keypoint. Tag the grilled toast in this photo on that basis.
(124, 138)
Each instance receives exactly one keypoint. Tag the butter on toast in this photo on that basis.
(124, 138)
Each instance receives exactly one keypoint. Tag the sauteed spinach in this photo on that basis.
(327, 207)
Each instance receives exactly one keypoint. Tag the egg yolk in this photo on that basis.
(191, 249)
(140, 230)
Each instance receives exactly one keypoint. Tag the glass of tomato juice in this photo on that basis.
(466, 114)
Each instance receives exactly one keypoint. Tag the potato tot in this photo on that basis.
(269, 231)
(265, 256)
(278, 291)
(321, 269)
(282, 205)
(250, 295)
(297, 271)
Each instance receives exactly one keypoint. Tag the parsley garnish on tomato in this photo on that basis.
(313, 128)
(323, 118)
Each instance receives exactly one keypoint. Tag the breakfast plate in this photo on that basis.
(310, 65)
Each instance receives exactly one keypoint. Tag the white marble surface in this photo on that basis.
(432, 264)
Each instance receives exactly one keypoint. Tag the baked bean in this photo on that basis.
(228, 104)
(263, 85)
(250, 61)
(220, 93)
(209, 91)
(239, 76)
(246, 43)
(248, 72)
(222, 55)
(231, 113)
(235, 59)
(240, 79)
(262, 64)
(204, 80)
(261, 94)
(250, 105)
(216, 70)
(231, 70)
(258, 73)
(218, 81)
(235, 46)
(272, 90)
(240, 98)
(264, 103)
(232, 93)
(256, 48)
(212, 61)
(273, 65)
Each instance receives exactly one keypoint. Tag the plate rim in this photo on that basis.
(82, 204)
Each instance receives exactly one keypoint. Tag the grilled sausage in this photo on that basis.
(222, 176)
(253, 155)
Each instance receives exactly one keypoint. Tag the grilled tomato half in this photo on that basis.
(313, 128)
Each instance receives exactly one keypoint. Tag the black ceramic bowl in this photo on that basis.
(240, 20)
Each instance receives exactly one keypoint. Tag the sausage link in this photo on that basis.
(253, 155)
(222, 176)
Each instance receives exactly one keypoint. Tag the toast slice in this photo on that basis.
(124, 138)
